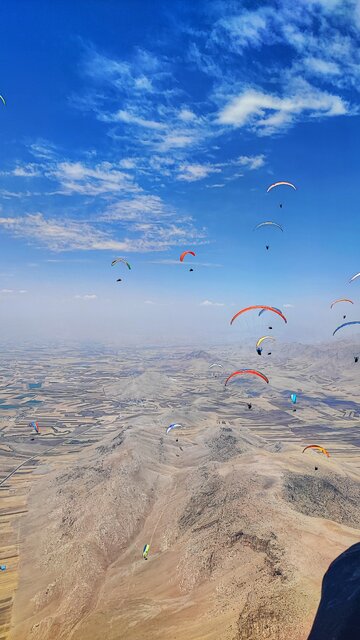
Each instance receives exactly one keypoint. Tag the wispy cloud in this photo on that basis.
(86, 296)
(267, 113)
(194, 172)
(251, 162)
(70, 235)
(209, 303)
(103, 178)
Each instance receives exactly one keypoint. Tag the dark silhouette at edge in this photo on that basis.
(338, 614)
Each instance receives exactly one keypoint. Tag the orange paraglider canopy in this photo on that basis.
(241, 372)
(185, 253)
(258, 306)
(318, 448)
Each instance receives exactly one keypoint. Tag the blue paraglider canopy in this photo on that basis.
(2, 567)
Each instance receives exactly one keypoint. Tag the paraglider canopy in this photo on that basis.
(146, 550)
(317, 448)
(278, 184)
(114, 262)
(3, 100)
(293, 397)
(269, 223)
(174, 425)
(346, 324)
(2, 567)
(258, 306)
(242, 372)
(185, 253)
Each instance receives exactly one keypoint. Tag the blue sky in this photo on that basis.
(142, 129)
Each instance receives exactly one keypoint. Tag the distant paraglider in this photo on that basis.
(174, 425)
(317, 448)
(346, 324)
(293, 398)
(215, 364)
(278, 184)
(146, 550)
(123, 260)
(242, 372)
(3, 100)
(354, 277)
(35, 425)
(257, 306)
(186, 253)
(267, 224)
(341, 300)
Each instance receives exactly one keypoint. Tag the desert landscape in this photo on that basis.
(241, 524)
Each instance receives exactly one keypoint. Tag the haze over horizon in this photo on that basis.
(142, 130)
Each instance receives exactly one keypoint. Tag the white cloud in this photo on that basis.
(193, 172)
(322, 67)
(29, 170)
(103, 178)
(131, 118)
(267, 113)
(187, 115)
(12, 291)
(251, 162)
(215, 186)
(209, 303)
(43, 149)
(127, 163)
(68, 235)
(139, 208)
(86, 296)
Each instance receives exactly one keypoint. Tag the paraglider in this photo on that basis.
(269, 223)
(215, 364)
(261, 340)
(257, 306)
(174, 425)
(146, 550)
(278, 184)
(356, 358)
(341, 300)
(119, 280)
(346, 324)
(185, 253)
(317, 448)
(34, 425)
(2, 567)
(114, 262)
(3, 101)
(354, 277)
(293, 398)
(241, 372)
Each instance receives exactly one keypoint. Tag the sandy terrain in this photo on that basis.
(241, 526)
